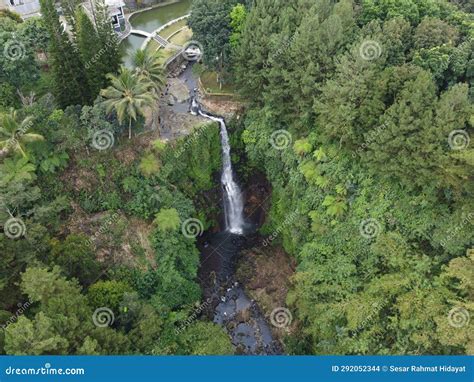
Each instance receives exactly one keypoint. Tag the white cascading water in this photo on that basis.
(233, 203)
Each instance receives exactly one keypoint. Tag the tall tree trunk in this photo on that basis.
(130, 128)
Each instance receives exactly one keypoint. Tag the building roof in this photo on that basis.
(112, 6)
(30, 9)
(114, 3)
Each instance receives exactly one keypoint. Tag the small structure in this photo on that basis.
(114, 8)
(116, 13)
(25, 8)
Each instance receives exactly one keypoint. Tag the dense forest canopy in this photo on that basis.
(360, 114)
(372, 103)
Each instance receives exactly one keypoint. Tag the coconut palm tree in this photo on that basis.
(129, 95)
(14, 133)
(148, 65)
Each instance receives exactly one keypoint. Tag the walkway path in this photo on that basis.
(154, 35)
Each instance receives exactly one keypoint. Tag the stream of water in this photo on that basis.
(231, 308)
(233, 203)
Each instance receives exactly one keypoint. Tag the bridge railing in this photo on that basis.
(157, 31)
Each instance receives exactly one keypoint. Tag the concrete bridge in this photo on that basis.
(155, 35)
(141, 33)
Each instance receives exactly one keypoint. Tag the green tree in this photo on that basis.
(205, 338)
(110, 58)
(70, 85)
(37, 337)
(210, 22)
(76, 258)
(433, 32)
(129, 95)
(148, 66)
(34, 33)
(18, 66)
(237, 17)
(108, 294)
(97, 45)
(62, 322)
(14, 133)
(167, 219)
(88, 45)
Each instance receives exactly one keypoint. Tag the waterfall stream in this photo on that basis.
(238, 314)
(233, 203)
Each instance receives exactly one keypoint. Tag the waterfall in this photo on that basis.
(233, 203)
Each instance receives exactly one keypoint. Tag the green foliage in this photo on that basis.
(108, 294)
(54, 162)
(63, 323)
(237, 20)
(76, 257)
(178, 260)
(14, 133)
(149, 165)
(11, 15)
(128, 95)
(384, 197)
(194, 159)
(205, 338)
(210, 21)
(70, 85)
(148, 65)
(167, 219)
(158, 145)
(18, 67)
(89, 47)
(302, 146)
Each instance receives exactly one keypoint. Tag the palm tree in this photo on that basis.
(129, 95)
(14, 134)
(148, 65)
